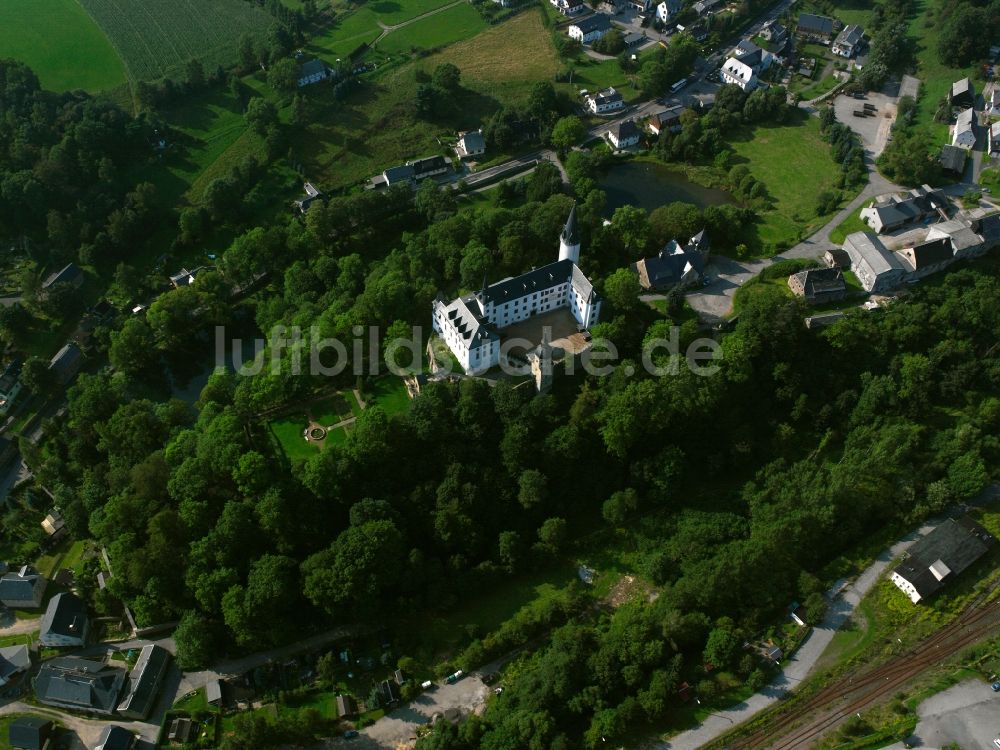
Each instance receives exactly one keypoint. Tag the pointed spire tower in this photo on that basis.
(569, 240)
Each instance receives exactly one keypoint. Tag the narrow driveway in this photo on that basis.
(844, 601)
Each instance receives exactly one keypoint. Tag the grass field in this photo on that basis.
(389, 393)
(156, 38)
(61, 43)
(794, 163)
(448, 26)
(818, 88)
(848, 226)
(392, 12)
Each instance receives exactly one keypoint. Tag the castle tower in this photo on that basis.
(569, 240)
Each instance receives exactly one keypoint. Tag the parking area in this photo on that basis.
(966, 715)
(874, 129)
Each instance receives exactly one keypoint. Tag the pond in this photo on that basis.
(649, 185)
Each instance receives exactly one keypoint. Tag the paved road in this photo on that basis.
(965, 714)
(801, 664)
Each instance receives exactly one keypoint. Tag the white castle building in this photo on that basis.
(471, 325)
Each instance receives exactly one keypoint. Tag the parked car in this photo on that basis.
(453, 678)
(996, 686)
(350, 734)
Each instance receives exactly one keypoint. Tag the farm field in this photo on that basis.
(55, 37)
(448, 26)
(794, 163)
(156, 38)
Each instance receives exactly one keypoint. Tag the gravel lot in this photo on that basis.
(967, 714)
(873, 131)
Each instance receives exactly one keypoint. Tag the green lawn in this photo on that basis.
(600, 74)
(68, 554)
(389, 393)
(349, 31)
(288, 432)
(818, 88)
(851, 224)
(794, 163)
(61, 43)
(449, 26)
(392, 12)
(329, 411)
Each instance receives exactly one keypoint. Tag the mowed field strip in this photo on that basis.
(156, 38)
(61, 43)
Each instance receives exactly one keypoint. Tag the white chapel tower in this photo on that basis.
(569, 240)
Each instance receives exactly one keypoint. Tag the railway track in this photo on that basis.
(849, 695)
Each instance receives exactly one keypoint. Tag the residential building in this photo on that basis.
(669, 119)
(750, 54)
(471, 325)
(940, 557)
(470, 143)
(65, 622)
(875, 266)
(837, 257)
(53, 523)
(994, 140)
(739, 74)
(312, 72)
(890, 212)
(624, 135)
(675, 265)
(590, 29)
(816, 27)
(667, 10)
(144, 682)
(213, 692)
(31, 733)
(70, 275)
(964, 135)
(927, 257)
(774, 32)
(607, 100)
(634, 39)
(963, 94)
(22, 588)
(848, 41)
(818, 286)
(347, 707)
(312, 195)
(115, 738)
(14, 661)
(568, 7)
(988, 228)
(705, 7)
(965, 243)
(66, 363)
(412, 172)
(183, 730)
(10, 385)
(79, 684)
(952, 158)
(992, 100)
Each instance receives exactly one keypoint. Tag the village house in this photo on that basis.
(31, 733)
(10, 385)
(964, 135)
(994, 140)
(471, 325)
(568, 7)
(114, 737)
(812, 26)
(312, 72)
(53, 523)
(14, 661)
(890, 212)
(143, 686)
(66, 363)
(818, 286)
(991, 99)
(878, 269)
(952, 158)
(184, 277)
(412, 172)
(774, 32)
(669, 120)
(936, 560)
(312, 195)
(69, 275)
(674, 265)
(607, 100)
(624, 135)
(927, 257)
(837, 257)
(590, 29)
(739, 74)
(22, 588)
(706, 7)
(668, 10)
(65, 622)
(962, 93)
(470, 143)
(848, 41)
(79, 685)
(965, 243)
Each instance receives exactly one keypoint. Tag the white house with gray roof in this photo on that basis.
(471, 325)
(848, 41)
(964, 135)
(739, 74)
(876, 267)
(590, 29)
